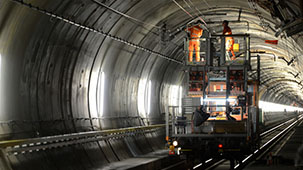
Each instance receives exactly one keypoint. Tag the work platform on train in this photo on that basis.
(215, 81)
(215, 51)
(220, 105)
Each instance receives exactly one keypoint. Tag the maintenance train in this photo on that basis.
(229, 96)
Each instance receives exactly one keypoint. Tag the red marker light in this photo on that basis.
(220, 146)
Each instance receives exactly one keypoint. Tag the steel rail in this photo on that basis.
(220, 161)
(268, 145)
(274, 128)
(36, 144)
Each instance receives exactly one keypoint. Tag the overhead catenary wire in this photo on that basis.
(135, 20)
(180, 6)
(97, 31)
(199, 14)
(187, 4)
(125, 15)
(207, 4)
(196, 8)
(190, 8)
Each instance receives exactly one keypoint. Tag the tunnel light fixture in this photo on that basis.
(0, 66)
(149, 97)
(180, 99)
(141, 97)
(175, 95)
(102, 94)
(0, 82)
(96, 94)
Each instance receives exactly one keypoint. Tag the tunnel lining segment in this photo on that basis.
(100, 32)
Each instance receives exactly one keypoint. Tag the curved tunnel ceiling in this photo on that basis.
(90, 64)
(82, 65)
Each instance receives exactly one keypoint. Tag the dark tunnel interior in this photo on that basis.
(84, 65)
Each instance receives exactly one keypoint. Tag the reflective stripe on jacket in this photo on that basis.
(195, 32)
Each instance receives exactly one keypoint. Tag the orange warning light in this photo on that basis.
(274, 42)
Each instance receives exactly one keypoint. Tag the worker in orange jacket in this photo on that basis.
(195, 32)
(229, 41)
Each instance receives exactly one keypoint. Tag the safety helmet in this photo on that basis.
(226, 22)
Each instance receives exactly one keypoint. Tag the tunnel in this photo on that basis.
(77, 66)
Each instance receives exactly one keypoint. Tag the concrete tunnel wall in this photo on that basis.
(52, 71)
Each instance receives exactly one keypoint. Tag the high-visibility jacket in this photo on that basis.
(228, 40)
(195, 32)
(194, 42)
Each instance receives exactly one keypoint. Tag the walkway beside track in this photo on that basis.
(153, 161)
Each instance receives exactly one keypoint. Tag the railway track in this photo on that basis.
(9, 148)
(269, 139)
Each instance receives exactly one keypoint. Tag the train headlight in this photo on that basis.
(175, 143)
(178, 151)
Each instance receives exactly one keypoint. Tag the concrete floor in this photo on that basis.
(151, 161)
